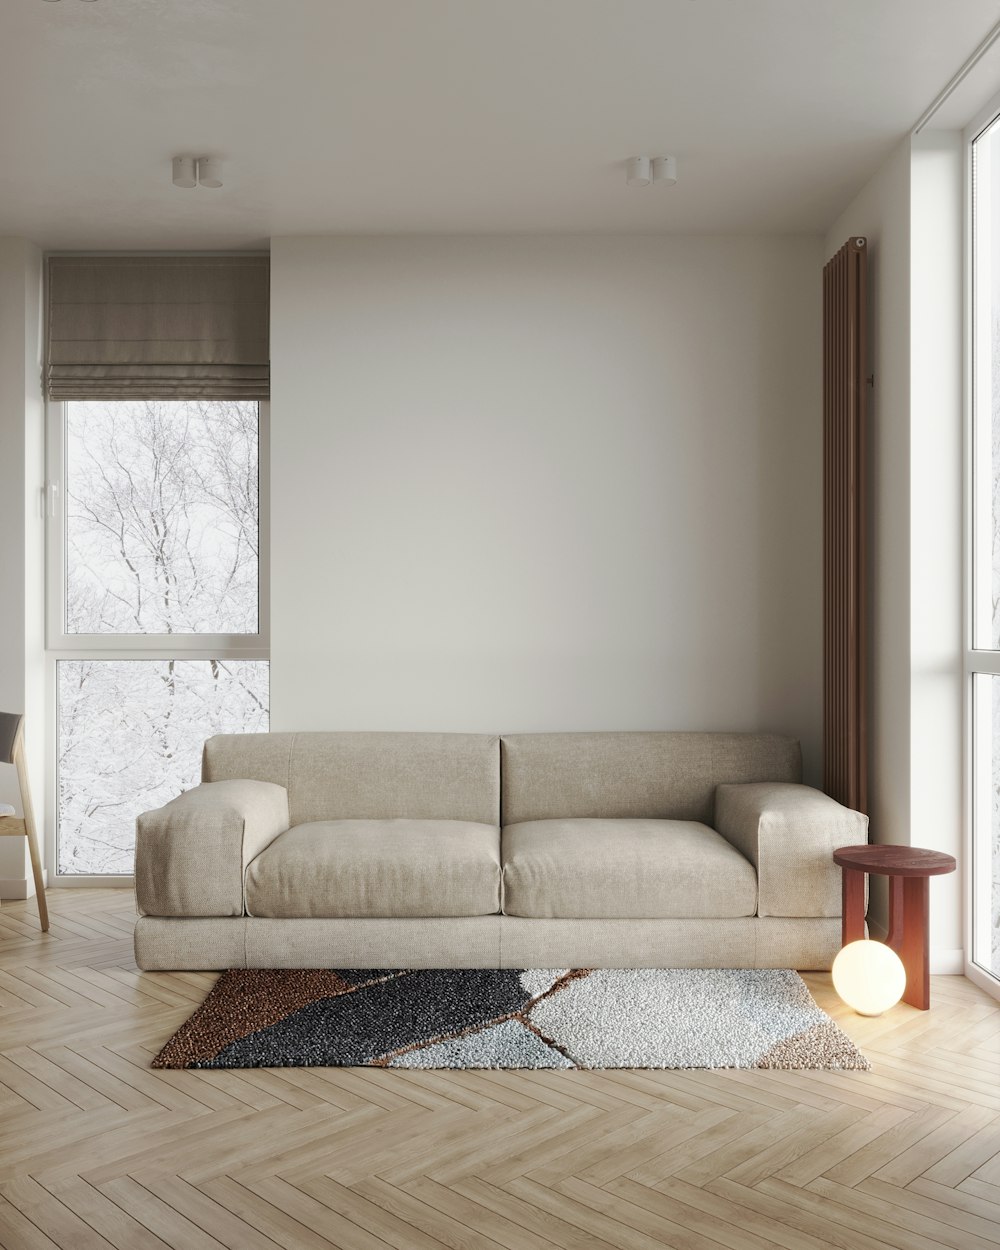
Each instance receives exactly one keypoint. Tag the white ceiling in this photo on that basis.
(455, 115)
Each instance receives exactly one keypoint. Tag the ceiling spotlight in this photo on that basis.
(637, 171)
(184, 175)
(209, 171)
(665, 170)
(194, 171)
(640, 171)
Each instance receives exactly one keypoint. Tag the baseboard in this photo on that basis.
(16, 889)
(947, 963)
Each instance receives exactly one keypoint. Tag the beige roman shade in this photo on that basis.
(157, 327)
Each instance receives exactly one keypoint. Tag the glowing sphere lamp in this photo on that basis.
(869, 976)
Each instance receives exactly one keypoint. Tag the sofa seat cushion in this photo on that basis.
(381, 868)
(623, 869)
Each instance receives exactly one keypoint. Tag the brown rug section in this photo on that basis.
(243, 1003)
(823, 1046)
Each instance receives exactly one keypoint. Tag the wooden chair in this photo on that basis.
(12, 752)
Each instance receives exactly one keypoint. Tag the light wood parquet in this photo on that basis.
(98, 1150)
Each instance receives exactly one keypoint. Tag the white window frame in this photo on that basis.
(60, 645)
(978, 529)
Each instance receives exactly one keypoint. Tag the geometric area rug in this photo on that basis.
(510, 1018)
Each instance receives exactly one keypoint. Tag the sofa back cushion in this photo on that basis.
(661, 776)
(368, 776)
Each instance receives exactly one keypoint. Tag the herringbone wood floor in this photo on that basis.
(97, 1150)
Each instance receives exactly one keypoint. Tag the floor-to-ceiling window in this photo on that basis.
(157, 607)
(984, 653)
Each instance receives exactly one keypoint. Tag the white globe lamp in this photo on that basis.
(869, 976)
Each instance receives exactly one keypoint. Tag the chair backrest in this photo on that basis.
(10, 730)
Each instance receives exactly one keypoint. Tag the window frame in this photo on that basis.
(980, 661)
(60, 645)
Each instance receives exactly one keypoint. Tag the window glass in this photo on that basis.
(986, 842)
(130, 735)
(986, 286)
(157, 565)
(162, 517)
(986, 549)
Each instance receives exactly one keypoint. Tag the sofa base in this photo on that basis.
(207, 944)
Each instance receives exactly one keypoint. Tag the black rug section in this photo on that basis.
(379, 1018)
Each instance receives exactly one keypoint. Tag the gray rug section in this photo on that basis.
(507, 1045)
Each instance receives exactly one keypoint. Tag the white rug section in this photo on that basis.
(676, 1018)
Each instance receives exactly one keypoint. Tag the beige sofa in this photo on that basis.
(458, 850)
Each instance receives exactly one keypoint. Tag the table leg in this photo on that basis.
(852, 925)
(909, 914)
(894, 937)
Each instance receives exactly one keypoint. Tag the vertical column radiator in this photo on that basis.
(845, 659)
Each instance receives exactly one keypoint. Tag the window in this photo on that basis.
(157, 607)
(984, 654)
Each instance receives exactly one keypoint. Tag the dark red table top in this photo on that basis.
(895, 861)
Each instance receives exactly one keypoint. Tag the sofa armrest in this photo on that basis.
(789, 833)
(191, 855)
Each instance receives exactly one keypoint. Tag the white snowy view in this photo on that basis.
(987, 244)
(995, 890)
(161, 517)
(130, 738)
(995, 682)
(161, 538)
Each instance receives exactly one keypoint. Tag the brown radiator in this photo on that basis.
(845, 660)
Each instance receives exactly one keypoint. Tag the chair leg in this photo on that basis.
(32, 835)
(36, 872)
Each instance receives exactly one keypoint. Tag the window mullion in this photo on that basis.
(983, 662)
(160, 646)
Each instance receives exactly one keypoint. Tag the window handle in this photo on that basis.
(51, 499)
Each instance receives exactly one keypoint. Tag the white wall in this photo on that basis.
(911, 212)
(547, 483)
(21, 532)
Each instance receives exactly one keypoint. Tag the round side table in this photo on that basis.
(908, 869)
